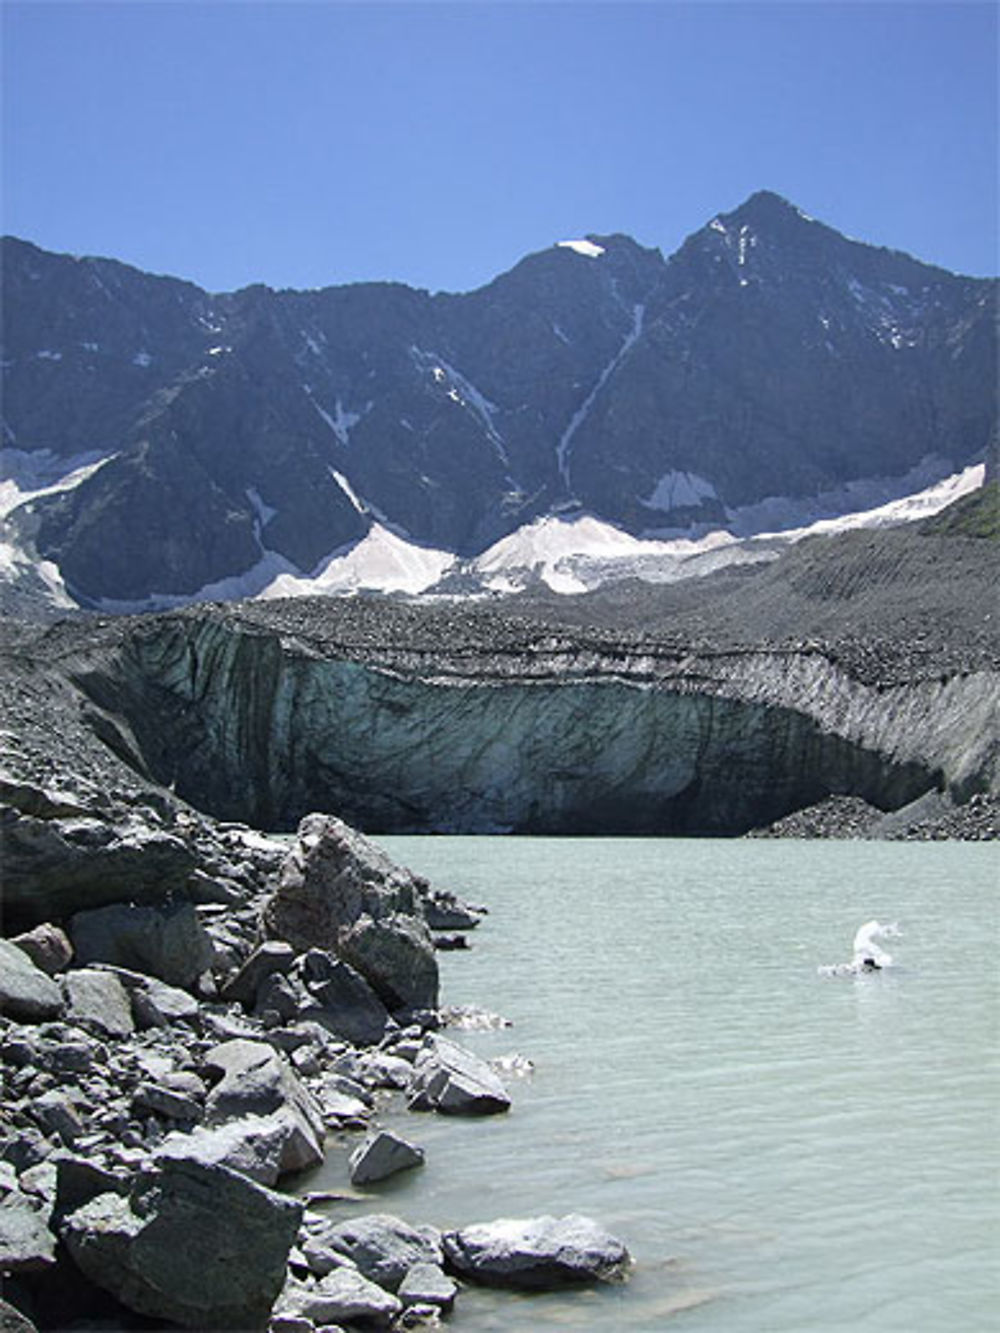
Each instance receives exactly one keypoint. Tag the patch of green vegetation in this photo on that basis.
(975, 515)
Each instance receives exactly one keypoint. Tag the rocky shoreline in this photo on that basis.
(170, 1063)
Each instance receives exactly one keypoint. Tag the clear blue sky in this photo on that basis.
(436, 143)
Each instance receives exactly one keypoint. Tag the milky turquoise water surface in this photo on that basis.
(780, 1150)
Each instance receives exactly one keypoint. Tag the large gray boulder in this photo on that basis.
(99, 1002)
(254, 1146)
(195, 1244)
(537, 1253)
(257, 1081)
(168, 941)
(55, 866)
(26, 993)
(448, 1078)
(344, 1002)
(383, 1247)
(340, 892)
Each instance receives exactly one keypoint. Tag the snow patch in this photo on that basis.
(379, 561)
(27, 475)
(349, 491)
(583, 247)
(464, 393)
(580, 415)
(342, 420)
(263, 512)
(677, 490)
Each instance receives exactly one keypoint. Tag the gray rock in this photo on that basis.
(257, 1080)
(428, 1284)
(58, 1116)
(273, 956)
(54, 867)
(26, 1243)
(340, 892)
(26, 993)
(13, 1321)
(167, 942)
(98, 1001)
(342, 1294)
(383, 1247)
(382, 1154)
(347, 1004)
(254, 1146)
(165, 1102)
(79, 1179)
(538, 1253)
(199, 1245)
(154, 1002)
(47, 946)
(450, 1079)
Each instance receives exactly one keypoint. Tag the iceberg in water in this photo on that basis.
(868, 956)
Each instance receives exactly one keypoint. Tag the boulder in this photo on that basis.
(26, 1243)
(165, 1102)
(253, 1145)
(382, 1154)
(383, 1247)
(195, 1244)
(343, 1294)
(98, 1001)
(26, 993)
(168, 942)
(56, 866)
(450, 1079)
(340, 892)
(47, 946)
(538, 1253)
(345, 1004)
(257, 1080)
(428, 1284)
(270, 957)
(154, 1002)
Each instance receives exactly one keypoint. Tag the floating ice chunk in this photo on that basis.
(144, 359)
(46, 355)
(583, 247)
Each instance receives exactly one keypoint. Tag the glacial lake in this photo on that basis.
(779, 1149)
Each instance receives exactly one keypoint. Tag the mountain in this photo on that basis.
(162, 441)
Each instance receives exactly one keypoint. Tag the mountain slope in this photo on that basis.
(769, 357)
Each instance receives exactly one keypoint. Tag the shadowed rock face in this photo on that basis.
(768, 357)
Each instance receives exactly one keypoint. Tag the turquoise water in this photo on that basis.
(779, 1149)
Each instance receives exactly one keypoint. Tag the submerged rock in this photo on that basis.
(536, 1253)
(195, 1244)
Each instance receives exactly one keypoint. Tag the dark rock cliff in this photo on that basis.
(769, 356)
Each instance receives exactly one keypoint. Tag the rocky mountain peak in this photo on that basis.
(191, 439)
